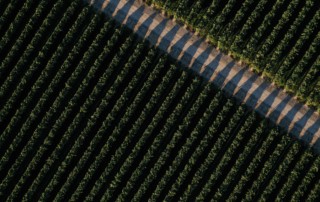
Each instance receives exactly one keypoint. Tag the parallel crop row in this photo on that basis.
(278, 38)
(90, 112)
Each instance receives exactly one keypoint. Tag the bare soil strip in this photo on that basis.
(235, 79)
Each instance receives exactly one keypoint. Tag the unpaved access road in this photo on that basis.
(218, 68)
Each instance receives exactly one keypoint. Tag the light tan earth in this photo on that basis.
(218, 68)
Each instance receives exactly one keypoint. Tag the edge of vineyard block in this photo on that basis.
(235, 79)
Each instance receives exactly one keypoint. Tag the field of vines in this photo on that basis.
(89, 112)
(278, 38)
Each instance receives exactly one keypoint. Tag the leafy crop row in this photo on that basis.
(90, 112)
(279, 39)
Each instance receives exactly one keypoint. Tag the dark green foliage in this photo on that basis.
(89, 112)
(278, 38)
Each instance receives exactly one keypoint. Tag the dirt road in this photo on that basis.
(218, 68)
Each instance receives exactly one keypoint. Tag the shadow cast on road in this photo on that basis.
(178, 50)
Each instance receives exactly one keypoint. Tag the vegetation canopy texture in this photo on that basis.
(279, 39)
(89, 112)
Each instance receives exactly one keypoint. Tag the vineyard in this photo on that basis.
(277, 38)
(90, 112)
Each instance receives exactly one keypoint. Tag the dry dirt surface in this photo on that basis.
(235, 79)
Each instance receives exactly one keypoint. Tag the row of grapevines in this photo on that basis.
(24, 38)
(93, 97)
(55, 60)
(253, 166)
(9, 14)
(20, 139)
(284, 45)
(97, 114)
(149, 181)
(114, 65)
(33, 48)
(21, 86)
(221, 166)
(25, 82)
(145, 135)
(241, 162)
(18, 24)
(192, 172)
(264, 29)
(272, 36)
(3, 6)
(176, 139)
(34, 164)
